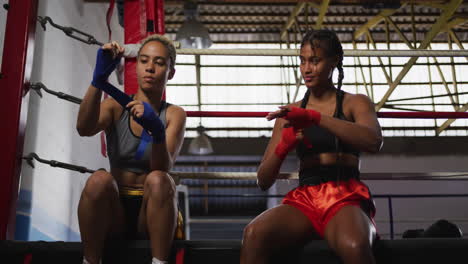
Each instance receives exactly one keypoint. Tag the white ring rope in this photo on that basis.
(294, 175)
(132, 49)
(347, 52)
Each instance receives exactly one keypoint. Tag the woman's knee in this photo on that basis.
(99, 184)
(160, 185)
(355, 246)
(255, 235)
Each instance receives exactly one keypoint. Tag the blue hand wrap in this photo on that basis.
(105, 65)
(152, 124)
(119, 96)
(144, 141)
(149, 121)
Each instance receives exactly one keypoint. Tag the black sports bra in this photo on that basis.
(321, 139)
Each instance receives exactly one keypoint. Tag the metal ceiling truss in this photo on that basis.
(444, 23)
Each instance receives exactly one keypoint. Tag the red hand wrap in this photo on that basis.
(302, 118)
(287, 143)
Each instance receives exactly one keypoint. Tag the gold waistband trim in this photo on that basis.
(130, 191)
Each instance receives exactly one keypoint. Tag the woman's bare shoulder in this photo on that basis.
(175, 111)
(295, 104)
(357, 98)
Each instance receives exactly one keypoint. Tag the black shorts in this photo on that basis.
(323, 174)
(131, 200)
(131, 205)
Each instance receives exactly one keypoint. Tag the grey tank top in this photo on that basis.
(122, 144)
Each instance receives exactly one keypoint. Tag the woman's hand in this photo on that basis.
(107, 59)
(290, 137)
(298, 117)
(116, 49)
(136, 108)
(145, 116)
(283, 111)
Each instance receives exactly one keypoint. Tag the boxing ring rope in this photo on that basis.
(221, 114)
(69, 31)
(291, 176)
(347, 52)
(38, 86)
(420, 115)
(253, 176)
(53, 163)
(91, 40)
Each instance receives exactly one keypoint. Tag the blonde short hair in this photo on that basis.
(163, 40)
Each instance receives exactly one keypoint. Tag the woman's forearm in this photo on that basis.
(268, 171)
(361, 137)
(88, 114)
(160, 158)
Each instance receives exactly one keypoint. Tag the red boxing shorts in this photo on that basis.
(322, 201)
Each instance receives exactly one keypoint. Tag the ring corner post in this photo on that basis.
(16, 69)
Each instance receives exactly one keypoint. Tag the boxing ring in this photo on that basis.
(386, 252)
(226, 251)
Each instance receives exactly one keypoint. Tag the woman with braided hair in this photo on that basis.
(328, 128)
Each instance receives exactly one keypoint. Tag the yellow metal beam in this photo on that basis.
(297, 10)
(442, 77)
(456, 40)
(454, 74)
(450, 121)
(398, 31)
(322, 12)
(456, 21)
(374, 21)
(395, 83)
(436, 29)
(464, 108)
(441, 22)
(371, 39)
(362, 71)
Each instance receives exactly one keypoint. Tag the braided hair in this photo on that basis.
(331, 45)
(329, 42)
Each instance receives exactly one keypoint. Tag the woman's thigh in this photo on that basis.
(281, 226)
(350, 226)
(102, 191)
(159, 184)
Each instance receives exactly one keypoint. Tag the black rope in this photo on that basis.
(38, 86)
(70, 31)
(53, 163)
